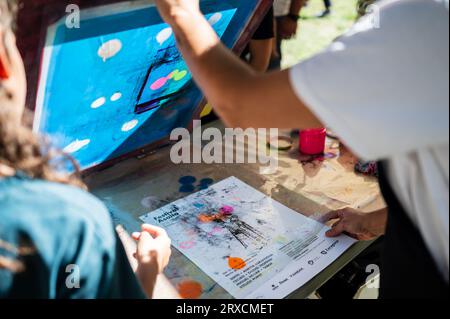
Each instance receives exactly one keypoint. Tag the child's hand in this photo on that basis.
(152, 254)
(153, 247)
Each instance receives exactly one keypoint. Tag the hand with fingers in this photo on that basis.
(362, 226)
(152, 254)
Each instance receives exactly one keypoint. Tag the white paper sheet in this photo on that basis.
(251, 245)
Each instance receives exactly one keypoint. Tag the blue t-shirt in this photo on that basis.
(65, 241)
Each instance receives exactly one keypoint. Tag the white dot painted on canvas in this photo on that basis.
(109, 49)
(164, 35)
(215, 18)
(76, 146)
(116, 96)
(98, 103)
(129, 125)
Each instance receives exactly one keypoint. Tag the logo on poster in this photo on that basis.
(327, 250)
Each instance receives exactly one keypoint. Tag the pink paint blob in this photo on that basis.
(187, 245)
(227, 210)
(158, 84)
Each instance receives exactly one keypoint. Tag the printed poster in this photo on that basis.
(251, 245)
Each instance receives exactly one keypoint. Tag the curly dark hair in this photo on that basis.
(20, 148)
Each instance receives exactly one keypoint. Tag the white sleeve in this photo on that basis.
(384, 86)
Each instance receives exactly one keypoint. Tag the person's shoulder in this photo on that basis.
(22, 200)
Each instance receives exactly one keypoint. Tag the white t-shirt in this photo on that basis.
(281, 7)
(384, 89)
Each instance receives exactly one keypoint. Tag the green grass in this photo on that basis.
(315, 34)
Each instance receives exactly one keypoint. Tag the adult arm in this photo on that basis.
(365, 86)
(241, 96)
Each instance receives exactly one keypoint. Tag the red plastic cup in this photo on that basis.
(312, 142)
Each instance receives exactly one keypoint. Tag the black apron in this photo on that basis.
(408, 269)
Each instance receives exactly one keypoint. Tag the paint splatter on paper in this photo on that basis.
(190, 289)
(244, 240)
(236, 263)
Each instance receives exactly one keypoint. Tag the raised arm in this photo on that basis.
(242, 97)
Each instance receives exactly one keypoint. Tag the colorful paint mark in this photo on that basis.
(175, 75)
(179, 75)
(227, 210)
(206, 110)
(206, 219)
(330, 155)
(187, 184)
(187, 180)
(186, 189)
(221, 216)
(205, 183)
(236, 263)
(190, 289)
(198, 205)
(159, 83)
(187, 244)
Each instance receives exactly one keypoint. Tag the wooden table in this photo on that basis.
(311, 187)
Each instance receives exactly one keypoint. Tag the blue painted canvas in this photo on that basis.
(119, 83)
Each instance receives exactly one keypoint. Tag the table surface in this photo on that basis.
(308, 185)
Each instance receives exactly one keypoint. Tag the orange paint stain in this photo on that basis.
(236, 263)
(206, 218)
(190, 289)
(211, 218)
